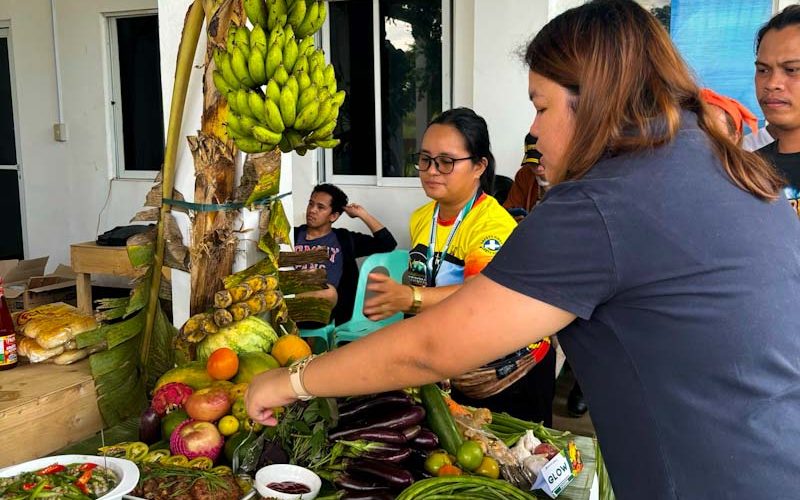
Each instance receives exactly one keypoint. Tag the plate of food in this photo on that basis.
(69, 476)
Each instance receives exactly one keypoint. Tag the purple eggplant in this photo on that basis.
(149, 426)
(390, 474)
(395, 456)
(426, 440)
(368, 495)
(376, 450)
(364, 408)
(396, 419)
(351, 483)
(411, 432)
(379, 434)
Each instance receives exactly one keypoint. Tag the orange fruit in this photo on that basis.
(222, 364)
(289, 349)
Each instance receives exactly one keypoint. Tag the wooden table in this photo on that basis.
(44, 407)
(90, 258)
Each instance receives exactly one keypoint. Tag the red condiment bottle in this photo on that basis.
(8, 341)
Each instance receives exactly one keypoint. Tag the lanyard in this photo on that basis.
(433, 270)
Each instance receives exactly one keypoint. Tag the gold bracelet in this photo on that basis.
(416, 301)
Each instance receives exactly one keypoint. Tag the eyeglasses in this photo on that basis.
(444, 164)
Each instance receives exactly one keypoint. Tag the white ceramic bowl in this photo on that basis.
(126, 471)
(278, 473)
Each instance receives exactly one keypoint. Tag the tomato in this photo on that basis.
(222, 364)
(449, 470)
(488, 468)
(470, 455)
(436, 460)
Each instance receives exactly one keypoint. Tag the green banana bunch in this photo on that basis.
(280, 91)
(307, 16)
(256, 11)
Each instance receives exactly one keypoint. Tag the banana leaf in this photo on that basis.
(111, 308)
(606, 492)
(104, 333)
(278, 225)
(270, 247)
(125, 431)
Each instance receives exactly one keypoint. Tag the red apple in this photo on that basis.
(208, 404)
(195, 438)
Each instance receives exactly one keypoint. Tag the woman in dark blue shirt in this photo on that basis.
(662, 255)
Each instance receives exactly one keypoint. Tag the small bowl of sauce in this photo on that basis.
(287, 482)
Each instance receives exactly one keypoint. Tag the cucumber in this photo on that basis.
(439, 419)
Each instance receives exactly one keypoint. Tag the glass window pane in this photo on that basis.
(411, 78)
(140, 79)
(8, 148)
(352, 55)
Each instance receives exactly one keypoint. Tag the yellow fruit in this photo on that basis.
(237, 391)
(249, 425)
(239, 410)
(289, 349)
(228, 425)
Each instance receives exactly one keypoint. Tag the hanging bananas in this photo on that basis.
(280, 91)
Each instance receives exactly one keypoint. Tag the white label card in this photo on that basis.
(555, 476)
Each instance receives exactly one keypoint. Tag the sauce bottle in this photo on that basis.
(8, 341)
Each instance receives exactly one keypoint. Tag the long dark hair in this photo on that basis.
(630, 86)
(475, 132)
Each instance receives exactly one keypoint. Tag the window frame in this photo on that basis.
(447, 95)
(5, 32)
(115, 97)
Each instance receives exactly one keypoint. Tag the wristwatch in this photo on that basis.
(416, 300)
(296, 371)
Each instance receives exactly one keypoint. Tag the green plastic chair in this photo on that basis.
(396, 263)
(323, 336)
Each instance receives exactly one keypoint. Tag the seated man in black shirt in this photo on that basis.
(326, 204)
(778, 91)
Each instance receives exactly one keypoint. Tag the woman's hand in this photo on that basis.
(267, 391)
(390, 297)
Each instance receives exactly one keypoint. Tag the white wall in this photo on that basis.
(66, 184)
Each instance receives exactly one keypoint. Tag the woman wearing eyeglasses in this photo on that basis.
(453, 237)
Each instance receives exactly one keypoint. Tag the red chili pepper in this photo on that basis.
(87, 466)
(51, 469)
(30, 486)
(84, 480)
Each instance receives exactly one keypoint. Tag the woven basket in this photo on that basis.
(499, 375)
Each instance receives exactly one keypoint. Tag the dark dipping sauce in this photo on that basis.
(289, 487)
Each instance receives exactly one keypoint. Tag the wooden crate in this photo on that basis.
(44, 407)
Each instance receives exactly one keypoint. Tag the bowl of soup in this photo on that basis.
(287, 482)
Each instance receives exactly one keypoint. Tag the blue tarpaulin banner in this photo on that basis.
(717, 40)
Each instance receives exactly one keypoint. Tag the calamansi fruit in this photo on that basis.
(228, 425)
